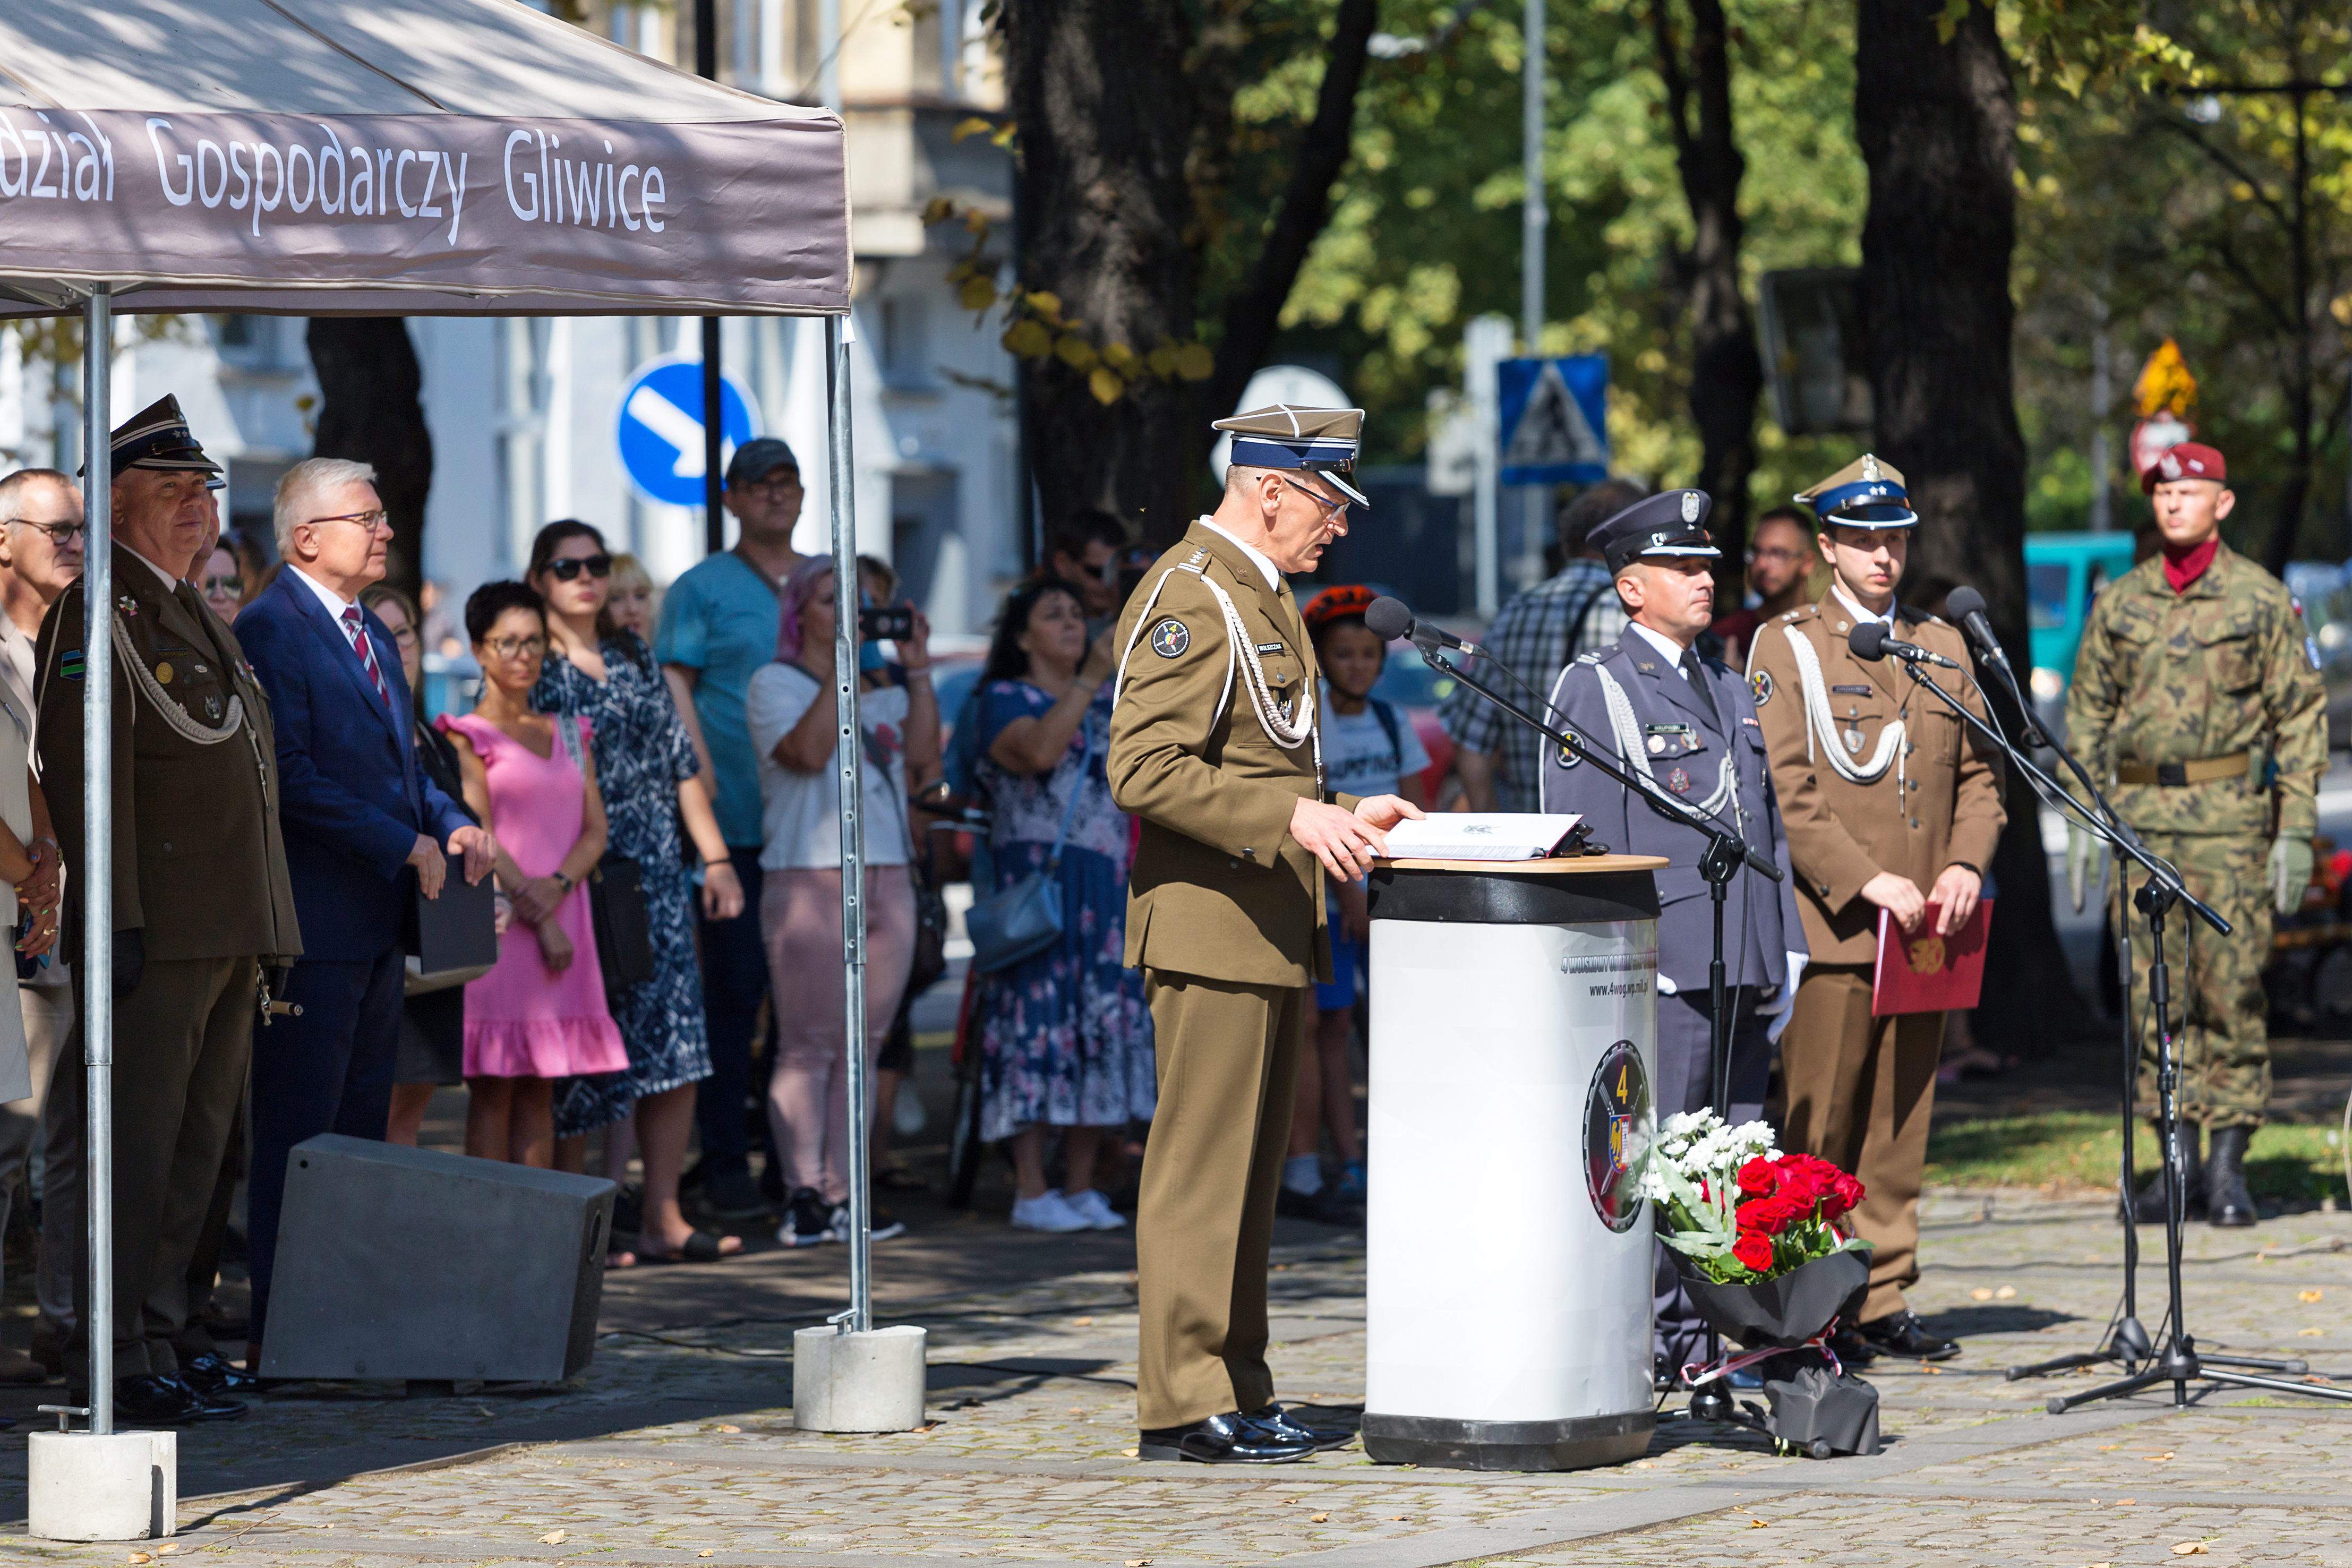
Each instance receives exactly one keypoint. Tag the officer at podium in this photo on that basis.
(1689, 721)
(1213, 745)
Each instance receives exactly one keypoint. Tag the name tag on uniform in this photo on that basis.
(1660, 738)
(1269, 647)
(1855, 691)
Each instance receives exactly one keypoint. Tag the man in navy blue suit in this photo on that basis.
(364, 827)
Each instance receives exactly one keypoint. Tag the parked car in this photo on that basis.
(2323, 590)
(2063, 572)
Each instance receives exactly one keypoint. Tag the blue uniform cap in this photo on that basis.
(1654, 528)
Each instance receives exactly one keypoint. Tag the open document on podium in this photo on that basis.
(1481, 836)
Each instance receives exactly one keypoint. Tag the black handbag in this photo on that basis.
(616, 901)
(624, 933)
(931, 930)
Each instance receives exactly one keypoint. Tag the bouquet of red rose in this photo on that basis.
(1740, 1210)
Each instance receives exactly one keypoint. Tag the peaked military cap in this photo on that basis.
(1323, 440)
(1667, 524)
(1865, 494)
(157, 436)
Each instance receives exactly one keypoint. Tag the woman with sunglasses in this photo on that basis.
(646, 767)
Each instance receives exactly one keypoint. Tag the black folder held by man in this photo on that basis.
(457, 935)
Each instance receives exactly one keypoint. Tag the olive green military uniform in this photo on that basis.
(200, 877)
(2206, 710)
(1226, 916)
(1880, 778)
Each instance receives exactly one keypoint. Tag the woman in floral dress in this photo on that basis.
(645, 764)
(1066, 1039)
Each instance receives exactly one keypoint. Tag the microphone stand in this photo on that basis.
(1724, 853)
(2178, 1363)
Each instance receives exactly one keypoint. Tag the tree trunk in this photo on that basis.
(1726, 373)
(1254, 311)
(1098, 91)
(370, 411)
(1936, 122)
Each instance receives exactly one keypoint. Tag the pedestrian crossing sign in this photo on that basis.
(1554, 420)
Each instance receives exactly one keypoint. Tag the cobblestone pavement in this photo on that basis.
(677, 1446)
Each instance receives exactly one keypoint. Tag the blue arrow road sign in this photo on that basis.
(1554, 420)
(659, 428)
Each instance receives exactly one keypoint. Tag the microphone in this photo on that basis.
(1967, 606)
(1870, 641)
(1388, 619)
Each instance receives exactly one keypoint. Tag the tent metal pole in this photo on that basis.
(96, 870)
(849, 752)
(714, 432)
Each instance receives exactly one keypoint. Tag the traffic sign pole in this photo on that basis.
(714, 434)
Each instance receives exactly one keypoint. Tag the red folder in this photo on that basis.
(1920, 972)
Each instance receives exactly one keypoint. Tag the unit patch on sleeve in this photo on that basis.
(1169, 638)
(1761, 683)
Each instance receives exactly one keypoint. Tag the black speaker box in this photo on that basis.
(395, 1262)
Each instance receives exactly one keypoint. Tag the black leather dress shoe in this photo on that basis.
(1232, 1438)
(153, 1399)
(1850, 1348)
(1902, 1333)
(214, 1375)
(1283, 1421)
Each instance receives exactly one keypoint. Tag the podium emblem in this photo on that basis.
(1618, 1125)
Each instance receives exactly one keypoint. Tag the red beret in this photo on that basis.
(2189, 460)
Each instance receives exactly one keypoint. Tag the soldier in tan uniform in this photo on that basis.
(1888, 805)
(2198, 692)
(202, 901)
(1213, 745)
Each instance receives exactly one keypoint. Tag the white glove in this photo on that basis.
(2291, 864)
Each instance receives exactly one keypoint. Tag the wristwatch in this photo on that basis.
(561, 881)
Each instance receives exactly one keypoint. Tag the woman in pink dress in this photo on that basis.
(539, 1015)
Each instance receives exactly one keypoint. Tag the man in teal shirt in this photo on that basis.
(718, 626)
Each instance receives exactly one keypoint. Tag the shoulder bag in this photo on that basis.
(1025, 919)
(616, 899)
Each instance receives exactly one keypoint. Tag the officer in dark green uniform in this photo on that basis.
(202, 903)
(2197, 690)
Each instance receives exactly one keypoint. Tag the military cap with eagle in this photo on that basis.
(157, 436)
(1865, 494)
(1322, 440)
(1670, 523)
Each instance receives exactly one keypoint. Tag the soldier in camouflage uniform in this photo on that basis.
(2197, 691)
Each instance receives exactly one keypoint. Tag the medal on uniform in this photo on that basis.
(1657, 746)
(1678, 781)
(128, 605)
(163, 673)
(1853, 738)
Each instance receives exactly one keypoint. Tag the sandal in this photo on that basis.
(701, 1247)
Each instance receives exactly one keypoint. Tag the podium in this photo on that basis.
(1514, 1040)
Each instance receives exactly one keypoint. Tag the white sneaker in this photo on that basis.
(1093, 1208)
(1049, 1210)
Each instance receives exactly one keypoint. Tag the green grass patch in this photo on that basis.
(2075, 1150)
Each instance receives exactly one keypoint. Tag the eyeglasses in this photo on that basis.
(230, 585)
(515, 647)
(371, 521)
(61, 534)
(788, 485)
(404, 636)
(1332, 509)
(571, 567)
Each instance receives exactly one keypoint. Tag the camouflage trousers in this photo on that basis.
(2220, 1016)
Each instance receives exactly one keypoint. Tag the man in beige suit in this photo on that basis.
(1889, 807)
(1213, 745)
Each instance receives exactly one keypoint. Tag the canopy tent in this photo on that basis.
(400, 157)
(407, 157)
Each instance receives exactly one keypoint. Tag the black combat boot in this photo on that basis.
(2149, 1205)
(2226, 1197)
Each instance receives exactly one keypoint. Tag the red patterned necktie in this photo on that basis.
(365, 645)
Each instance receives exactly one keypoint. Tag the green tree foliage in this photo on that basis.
(2173, 210)
(1425, 226)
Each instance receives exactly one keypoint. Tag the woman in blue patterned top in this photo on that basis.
(1066, 1037)
(647, 768)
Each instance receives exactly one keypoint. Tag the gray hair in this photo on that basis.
(305, 479)
(13, 488)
